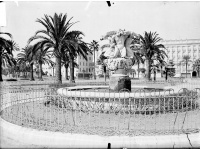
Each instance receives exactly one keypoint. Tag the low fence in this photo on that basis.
(44, 109)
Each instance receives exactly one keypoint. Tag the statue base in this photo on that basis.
(119, 82)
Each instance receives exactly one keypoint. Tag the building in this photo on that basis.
(85, 68)
(176, 49)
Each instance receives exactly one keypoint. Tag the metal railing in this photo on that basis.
(149, 114)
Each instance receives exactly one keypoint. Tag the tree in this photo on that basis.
(42, 56)
(161, 64)
(150, 49)
(154, 68)
(6, 49)
(186, 60)
(137, 58)
(24, 60)
(196, 67)
(74, 46)
(31, 59)
(66, 63)
(54, 37)
(94, 46)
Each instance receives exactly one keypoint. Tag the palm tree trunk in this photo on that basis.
(31, 75)
(66, 71)
(138, 70)
(71, 70)
(94, 66)
(186, 69)
(148, 69)
(154, 75)
(161, 71)
(104, 68)
(58, 70)
(40, 71)
(1, 79)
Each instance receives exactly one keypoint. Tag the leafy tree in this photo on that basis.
(196, 66)
(54, 37)
(151, 50)
(94, 46)
(6, 52)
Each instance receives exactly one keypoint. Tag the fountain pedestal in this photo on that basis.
(120, 80)
(121, 66)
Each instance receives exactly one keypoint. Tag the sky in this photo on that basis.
(171, 20)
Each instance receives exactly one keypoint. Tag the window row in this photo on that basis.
(86, 70)
(89, 58)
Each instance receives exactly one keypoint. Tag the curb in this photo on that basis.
(39, 138)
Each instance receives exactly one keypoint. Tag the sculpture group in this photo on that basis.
(120, 49)
(121, 44)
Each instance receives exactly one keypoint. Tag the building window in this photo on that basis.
(80, 63)
(90, 58)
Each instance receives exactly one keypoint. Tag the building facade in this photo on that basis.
(176, 49)
(85, 67)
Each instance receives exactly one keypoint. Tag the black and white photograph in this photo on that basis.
(99, 74)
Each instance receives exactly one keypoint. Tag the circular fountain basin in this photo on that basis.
(103, 91)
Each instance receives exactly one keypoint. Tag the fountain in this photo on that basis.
(116, 53)
(117, 57)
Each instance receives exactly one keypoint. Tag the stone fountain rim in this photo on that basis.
(76, 92)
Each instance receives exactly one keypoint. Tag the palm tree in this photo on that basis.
(151, 49)
(66, 63)
(31, 59)
(54, 37)
(9, 62)
(74, 46)
(6, 49)
(94, 46)
(154, 68)
(41, 57)
(24, 60)
(137, 58)
(186, 60)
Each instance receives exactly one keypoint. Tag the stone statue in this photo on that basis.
(119, 45)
